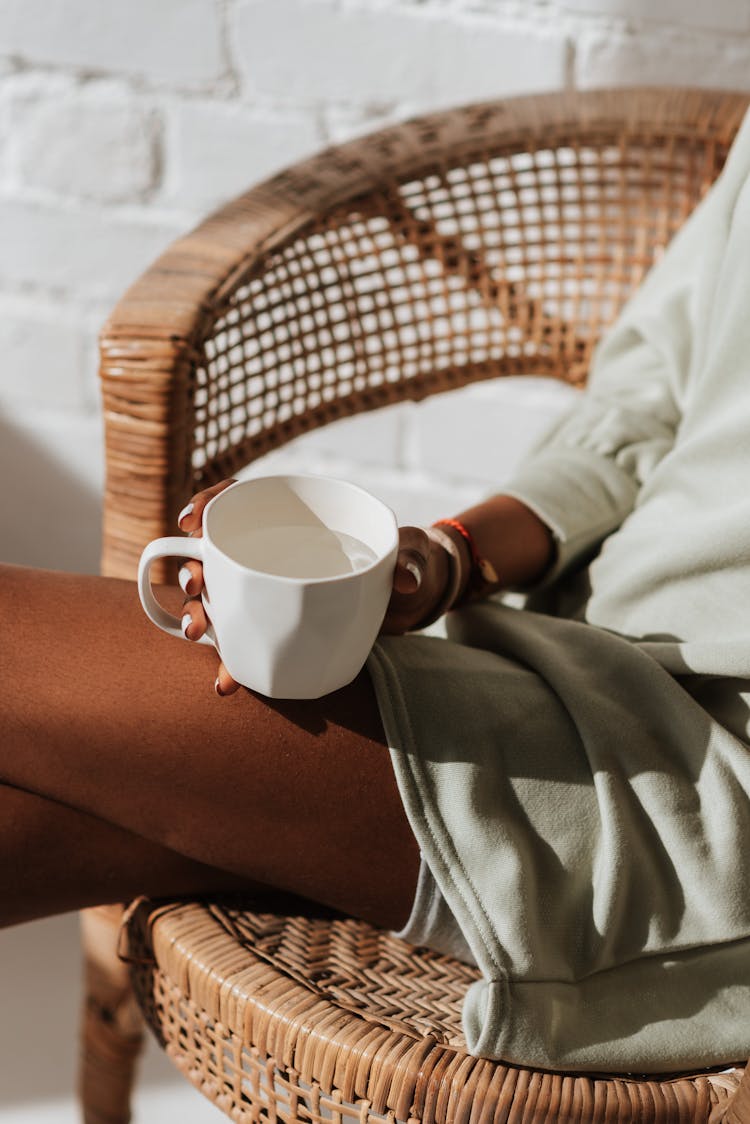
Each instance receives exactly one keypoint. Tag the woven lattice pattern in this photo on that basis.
(360, 969)
(509, 262)
(312, 1018)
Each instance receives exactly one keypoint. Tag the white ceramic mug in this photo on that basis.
(298, 572)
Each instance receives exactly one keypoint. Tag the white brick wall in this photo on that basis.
(719, 15)
(162, 41)
(375, 53)
(215, 149)
(666, 57)
(95, 141)
(120, 125)
(41, 347)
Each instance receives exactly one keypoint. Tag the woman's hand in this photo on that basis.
(419, 580)
(425, 572)
(511, 548)
(194, 619)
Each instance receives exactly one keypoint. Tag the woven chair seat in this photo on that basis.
(491, 240)
(311, 1017)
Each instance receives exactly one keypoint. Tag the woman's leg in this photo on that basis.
(55, 858)
(105, 715)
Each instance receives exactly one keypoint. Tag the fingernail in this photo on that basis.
(187, 510)
(217, 688)
(185, 623)
(183, 578)
(414, 570)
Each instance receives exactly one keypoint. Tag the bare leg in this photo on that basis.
(55, 858)
(106, 716)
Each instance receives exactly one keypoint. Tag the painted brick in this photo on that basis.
(342, 123)
(87, 252)
(94, 316)
(719, 15)
(41, 347)
(293, 49)
(374, 438)
(417, 500)
(5, 142)
(215, 150)
(91, 143)
(481, 432)
(415, 497)
(176, 41)
(603, 59)
(52, 512)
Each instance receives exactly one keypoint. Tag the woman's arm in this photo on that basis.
(508, 535)
(587, 477)
(432, 575)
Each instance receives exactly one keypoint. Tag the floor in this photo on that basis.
(40, 983)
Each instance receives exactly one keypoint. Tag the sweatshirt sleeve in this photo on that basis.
(586, 477)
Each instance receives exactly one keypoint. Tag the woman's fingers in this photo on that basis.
(411, 561)
(194, 624)
(224, 684)
(190, 578)
(194, 620)
(415, 586)
(191, 516)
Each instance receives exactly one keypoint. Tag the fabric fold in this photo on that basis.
(572, 835)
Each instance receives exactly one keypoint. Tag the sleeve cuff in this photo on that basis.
(581, 496)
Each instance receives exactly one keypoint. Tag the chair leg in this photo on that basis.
(112, 1031)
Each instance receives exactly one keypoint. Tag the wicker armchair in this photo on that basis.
(491, 240)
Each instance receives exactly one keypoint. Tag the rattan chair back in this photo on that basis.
(497, 239)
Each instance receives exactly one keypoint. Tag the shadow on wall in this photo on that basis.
(41, 985)
(50, 517)
(51, 508)
(43, 1015)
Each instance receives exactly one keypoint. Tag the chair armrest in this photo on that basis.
(150, 347)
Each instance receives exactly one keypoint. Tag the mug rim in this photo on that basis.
(381, 558)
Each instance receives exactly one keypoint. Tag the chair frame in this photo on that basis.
(155, 353)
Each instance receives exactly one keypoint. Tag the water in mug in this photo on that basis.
(300, 551)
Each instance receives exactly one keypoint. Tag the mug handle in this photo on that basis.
(176, 547)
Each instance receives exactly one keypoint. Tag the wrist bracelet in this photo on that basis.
(482, 572)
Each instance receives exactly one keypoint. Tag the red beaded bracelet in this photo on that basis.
(482, 573)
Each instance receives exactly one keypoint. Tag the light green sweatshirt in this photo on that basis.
(579, 783)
